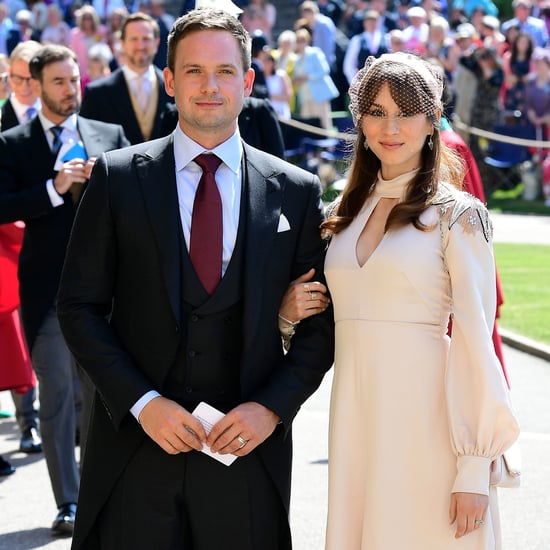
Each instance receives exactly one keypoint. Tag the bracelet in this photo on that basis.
(290, 323)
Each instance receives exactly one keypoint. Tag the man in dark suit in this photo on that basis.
(163, 315)
(22, 106)
(23, 103)
(133, 95)
(44, 164)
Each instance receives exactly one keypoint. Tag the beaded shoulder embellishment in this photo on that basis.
(470, 213)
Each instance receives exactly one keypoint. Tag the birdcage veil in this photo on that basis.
(415, 85)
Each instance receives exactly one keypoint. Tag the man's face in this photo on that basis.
(59, 90)
(209, 85)
(139, 45)
(522, 11)
(20, 82)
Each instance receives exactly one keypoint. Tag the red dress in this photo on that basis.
(474, 186)
(15, 365)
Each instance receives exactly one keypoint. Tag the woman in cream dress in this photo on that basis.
(416, 418)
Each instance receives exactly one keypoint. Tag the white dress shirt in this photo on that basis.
(21, 109)
(140, 84)
(69, 135)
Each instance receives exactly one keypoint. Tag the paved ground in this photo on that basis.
(513, 228)
(27, 507)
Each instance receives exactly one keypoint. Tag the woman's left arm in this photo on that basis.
(482, 422)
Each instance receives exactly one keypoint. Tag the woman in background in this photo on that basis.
(312, 80)
(279, 87)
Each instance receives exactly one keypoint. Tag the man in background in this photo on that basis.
(22, 106)
(23, 103)
(44, 164)
(133, 95)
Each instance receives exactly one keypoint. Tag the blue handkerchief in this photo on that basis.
(77, 151)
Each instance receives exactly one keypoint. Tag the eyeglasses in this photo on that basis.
(18, 79)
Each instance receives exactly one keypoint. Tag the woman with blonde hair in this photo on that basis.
(315, 87)
(88, 31)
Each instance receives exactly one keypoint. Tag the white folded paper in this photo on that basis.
(208, 416)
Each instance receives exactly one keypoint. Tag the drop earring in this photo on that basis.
(431, 143)
(366, 145)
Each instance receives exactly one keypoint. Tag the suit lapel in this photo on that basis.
(156, 175)
(264, 196)
(41, 153)
(93, 141)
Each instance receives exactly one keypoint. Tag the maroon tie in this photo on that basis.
(205, 249)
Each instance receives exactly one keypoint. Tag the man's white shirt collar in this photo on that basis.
(21, 109)
(130, 75)
(69, 123)
(185, 150)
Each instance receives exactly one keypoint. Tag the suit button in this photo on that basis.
(194, 318)
(188, 389)
(192, 353)
(177, 329)
(228, 320)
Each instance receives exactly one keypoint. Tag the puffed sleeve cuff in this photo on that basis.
(473, 475)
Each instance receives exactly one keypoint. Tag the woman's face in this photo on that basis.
(522, 43)
(395, 137)
(542, 67)
(301, 43)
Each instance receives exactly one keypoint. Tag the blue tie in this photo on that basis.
(56, 131)
(31, 111)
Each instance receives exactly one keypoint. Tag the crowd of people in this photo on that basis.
(495, 66)
(125, 320)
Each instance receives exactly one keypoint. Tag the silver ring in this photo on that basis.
(242, 441)
(479, 521)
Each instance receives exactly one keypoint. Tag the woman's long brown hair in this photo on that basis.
(437, 164)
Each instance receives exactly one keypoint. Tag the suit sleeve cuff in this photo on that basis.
(142, 401)
(473, 475)
(55, 198)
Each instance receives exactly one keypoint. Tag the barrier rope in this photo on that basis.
(350, 136)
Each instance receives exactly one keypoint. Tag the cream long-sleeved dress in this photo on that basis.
(414, 415)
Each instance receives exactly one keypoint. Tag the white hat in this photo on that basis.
(465, 30)
(491, 21)
(225, 5)
(416, 11)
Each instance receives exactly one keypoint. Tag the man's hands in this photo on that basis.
(73, 171)
(250, 422)
(171, 426)
(468, 510)
(176, 430)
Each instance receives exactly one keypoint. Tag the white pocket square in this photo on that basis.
(283, 224)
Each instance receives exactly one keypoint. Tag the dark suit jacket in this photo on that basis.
(9, 118)
(258, 125)
(26, 163)
(108, 100)
(131, 208)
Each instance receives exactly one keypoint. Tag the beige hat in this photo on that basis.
(371, 14)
